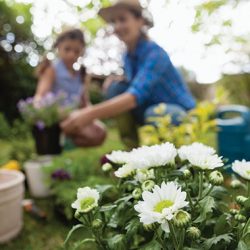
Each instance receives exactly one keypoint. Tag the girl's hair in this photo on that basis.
(72, 34)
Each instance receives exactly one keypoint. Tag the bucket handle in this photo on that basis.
(242, 111)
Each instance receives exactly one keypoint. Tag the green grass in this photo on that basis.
(50, 234)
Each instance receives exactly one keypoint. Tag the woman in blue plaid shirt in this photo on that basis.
(149, 78)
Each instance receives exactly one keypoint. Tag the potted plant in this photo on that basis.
(11, 196)
(44, 117)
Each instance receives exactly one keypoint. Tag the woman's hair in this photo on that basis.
(72, 34)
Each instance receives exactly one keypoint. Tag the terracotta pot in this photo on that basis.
(47, 140)
(36, 177)
(11, 196)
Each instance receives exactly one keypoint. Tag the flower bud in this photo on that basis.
(148, 185)
(240, 218)
(216, 178)
(240, 199)
(193, 233)
(235, 184)
(137, 193)
(234, 211)
(97, 223)
(186, 174)
(106, 167)
(181, 218)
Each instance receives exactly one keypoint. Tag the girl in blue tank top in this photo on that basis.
(61, 76)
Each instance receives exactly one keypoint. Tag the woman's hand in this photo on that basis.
(77, 120)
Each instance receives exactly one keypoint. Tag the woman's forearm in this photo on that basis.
(114, 106)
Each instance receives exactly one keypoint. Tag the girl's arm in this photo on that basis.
(85, 101)
(45, 83)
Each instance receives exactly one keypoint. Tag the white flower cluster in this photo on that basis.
(242, 168)
(161, 204)
(200, 156)
(144, 157)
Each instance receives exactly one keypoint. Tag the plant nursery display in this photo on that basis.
(168, 198)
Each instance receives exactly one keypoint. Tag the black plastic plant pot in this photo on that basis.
(47, 140)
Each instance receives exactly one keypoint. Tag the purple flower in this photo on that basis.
(104, 160)
(29, 100)
(61, 175)
(40, 125)
(21, 105)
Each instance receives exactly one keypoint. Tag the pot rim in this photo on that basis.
(19, 178)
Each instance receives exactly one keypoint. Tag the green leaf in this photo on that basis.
(132, 227)
(216, 240)
(107, 208)
(103, 188)
(82, 242)
(242, 246)
(190, 248)
(124, 199)
(222, 225)
(74, 228)
(152, 245)
(246, 230)
(207, 204)
(118, 242)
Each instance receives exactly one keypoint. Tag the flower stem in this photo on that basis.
(173, 234)
(208, 192)
(182, 236)
(200, 184)
(158, 236)
(189, 197)
(248, 188)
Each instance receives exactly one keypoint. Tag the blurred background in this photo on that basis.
(207, 40)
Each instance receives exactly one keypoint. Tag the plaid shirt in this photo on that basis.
(153, 78)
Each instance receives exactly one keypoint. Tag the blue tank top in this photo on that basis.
(72, 86)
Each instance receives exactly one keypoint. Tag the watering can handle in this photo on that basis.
(243, 111)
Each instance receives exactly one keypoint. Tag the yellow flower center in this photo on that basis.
(87, 203)
(162, 204)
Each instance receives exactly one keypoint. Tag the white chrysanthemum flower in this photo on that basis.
(205, 161)
(124, 171)
(87, 199)
(146, 156)
(194, 148)
(144, 174)
(153, 156)
(161, 204)
(242, 168)
(119, 157)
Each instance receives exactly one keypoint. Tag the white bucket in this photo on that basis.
(11, 196)
(36, 177)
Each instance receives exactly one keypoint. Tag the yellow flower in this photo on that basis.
(160, 109)
(12, 165)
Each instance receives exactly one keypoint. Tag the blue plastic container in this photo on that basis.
(234, 132)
